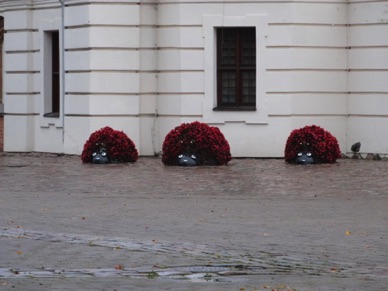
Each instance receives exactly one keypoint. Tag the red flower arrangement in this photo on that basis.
(206, 142)
(117, 144)
(322, 144)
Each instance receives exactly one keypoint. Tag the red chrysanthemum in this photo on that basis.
(323, 145)
(118, 145)
(207, 142)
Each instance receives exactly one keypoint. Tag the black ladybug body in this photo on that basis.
(305, 156)
(100, 156)
(187, 160)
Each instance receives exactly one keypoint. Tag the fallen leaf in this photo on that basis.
(152, 275)
(16, 272)
(348, 232)
(119, 267)
(19, 252)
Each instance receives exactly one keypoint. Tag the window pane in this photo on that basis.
(228, 87)
(248, 87)
(248, 47)
(228, 47)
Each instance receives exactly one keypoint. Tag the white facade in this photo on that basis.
(145, 67)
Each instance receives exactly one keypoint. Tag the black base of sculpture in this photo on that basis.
(187, 160)
(100, 156)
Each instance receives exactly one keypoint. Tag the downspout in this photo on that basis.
(63, 67)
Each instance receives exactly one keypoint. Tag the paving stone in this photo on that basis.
(255, 224)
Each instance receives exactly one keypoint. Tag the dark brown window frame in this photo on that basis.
(238, 68)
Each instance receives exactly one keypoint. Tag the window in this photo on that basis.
(52, 74)
(236, 68)
(213, 111)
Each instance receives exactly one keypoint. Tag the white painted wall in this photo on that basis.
(368, 65)
(302, 69)
(145, 68)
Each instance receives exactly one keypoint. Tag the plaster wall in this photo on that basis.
(302, 65)
(20, 82)
(145, 67)
(368, 74)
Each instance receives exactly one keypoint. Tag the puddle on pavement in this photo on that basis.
(237, 265)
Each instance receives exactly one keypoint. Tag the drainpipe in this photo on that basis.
(63, 66)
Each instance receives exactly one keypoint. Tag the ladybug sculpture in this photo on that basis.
(195, 144)
(311, 145)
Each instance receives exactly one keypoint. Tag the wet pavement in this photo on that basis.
(255, 224)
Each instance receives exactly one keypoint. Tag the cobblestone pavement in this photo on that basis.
(252, 225)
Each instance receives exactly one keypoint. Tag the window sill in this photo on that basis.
(52, 114)
(234, 109)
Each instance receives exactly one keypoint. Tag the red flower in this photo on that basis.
(118, 145)
(207, 142)
(323, 145)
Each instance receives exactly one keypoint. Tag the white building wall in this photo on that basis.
(145, 67)
(148, 58)
(307, 74)
(302, 69)
(102, 70)
(21, 83)
(368, 75)
(103, 81)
